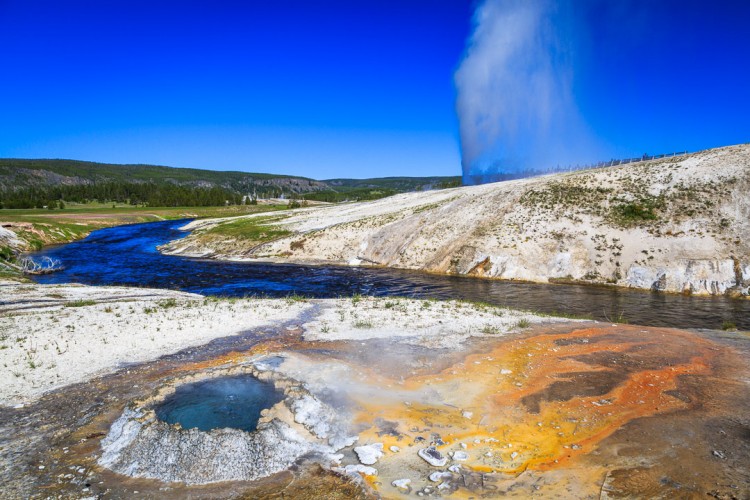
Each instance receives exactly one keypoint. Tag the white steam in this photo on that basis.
(514, 101)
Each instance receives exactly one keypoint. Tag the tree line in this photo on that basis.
(145, 193)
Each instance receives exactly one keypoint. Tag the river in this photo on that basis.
(127, 255)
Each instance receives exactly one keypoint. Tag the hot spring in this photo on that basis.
(235, 402)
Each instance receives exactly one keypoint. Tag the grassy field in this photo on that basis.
(49, 227)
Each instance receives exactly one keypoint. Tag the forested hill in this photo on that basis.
(28, 183)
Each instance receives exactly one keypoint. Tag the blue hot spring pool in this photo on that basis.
(234, 402)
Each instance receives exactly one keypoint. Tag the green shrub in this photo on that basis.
(728, 325)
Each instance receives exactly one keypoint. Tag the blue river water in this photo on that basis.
(128, 255)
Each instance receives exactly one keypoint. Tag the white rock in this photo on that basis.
(439, 476)
(402, 484)
(460, 455)
(369, 453)
(505, 371)
(338, 441)
(433, 457)
(360, 469)
(395, 449)
(467, 414)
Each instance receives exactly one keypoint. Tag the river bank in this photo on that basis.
(678, 225)
(34, 229)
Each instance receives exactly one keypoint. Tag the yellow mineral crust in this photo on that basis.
(535, 402)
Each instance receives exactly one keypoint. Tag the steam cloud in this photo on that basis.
(514, 101)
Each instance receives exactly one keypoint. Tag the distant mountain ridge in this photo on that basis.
(25, 181)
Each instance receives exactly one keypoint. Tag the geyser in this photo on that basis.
(514, 101)
(227, 402)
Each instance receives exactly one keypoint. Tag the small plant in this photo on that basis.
(80, 303)
(728, 325)
(523, 323)
(356, 298)
(325, 327)
(167, 303)
(617, 317)
(490, 329)
(363, 324)
(291, 299)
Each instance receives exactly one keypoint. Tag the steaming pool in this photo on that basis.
(228, 402)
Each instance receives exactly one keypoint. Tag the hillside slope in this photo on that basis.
(47, 180)
(677, 225)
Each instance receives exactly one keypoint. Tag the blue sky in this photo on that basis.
(342, 89)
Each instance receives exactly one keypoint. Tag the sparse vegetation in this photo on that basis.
(253, 229)
(80, 303)
(489, 329)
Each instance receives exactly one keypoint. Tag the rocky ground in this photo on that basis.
(676, 225)
(382, 398)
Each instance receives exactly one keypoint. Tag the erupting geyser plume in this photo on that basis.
(515, 105)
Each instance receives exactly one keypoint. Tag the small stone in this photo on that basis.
(394, 449)
(514, 455)
(463, 445)
(505, 371)
(488, 454)
(369, 454)
(455, 468)
(433, 457)
(467, 414)
(460, 455)
(719, 454)
(439, 476)
(41, 467)
(402, 484)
